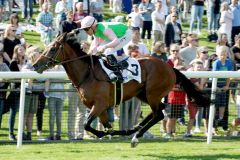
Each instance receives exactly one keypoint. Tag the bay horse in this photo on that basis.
(96, 91)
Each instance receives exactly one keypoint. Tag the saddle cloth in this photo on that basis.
(132, 72)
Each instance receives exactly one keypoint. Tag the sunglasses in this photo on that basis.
(14, 30)
(204, 52)
(174, 16)
(87, 29)
(175, 50)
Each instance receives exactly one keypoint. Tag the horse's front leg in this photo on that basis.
(87, 124)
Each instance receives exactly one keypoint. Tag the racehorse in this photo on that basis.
(96, 91)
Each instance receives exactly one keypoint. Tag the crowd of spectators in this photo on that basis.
(157, 21)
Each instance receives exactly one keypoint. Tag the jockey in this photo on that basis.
(109, 38)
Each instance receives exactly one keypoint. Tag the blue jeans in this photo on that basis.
(13, 102)
(197, 14)
(1, 110)
(27, 3)
(212, 19)
(55, 107)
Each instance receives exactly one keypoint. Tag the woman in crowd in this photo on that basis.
(18, 61)
(159, 51)
(10, 41)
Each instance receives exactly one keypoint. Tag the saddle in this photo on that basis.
(117, 67)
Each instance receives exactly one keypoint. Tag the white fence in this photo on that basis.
(62, 75)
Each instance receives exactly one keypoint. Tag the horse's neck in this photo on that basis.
(77, 71)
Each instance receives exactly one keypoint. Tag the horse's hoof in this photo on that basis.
(134, 142)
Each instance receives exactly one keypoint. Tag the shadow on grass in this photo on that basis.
(199, 157)
(118, 140)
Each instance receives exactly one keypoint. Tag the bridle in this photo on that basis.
(55, 61)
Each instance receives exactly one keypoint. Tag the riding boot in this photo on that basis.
(119, 76)
(112, 60)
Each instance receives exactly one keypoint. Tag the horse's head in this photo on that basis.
(54, 54)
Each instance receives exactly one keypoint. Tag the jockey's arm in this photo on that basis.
(93, 47)
(114, 41)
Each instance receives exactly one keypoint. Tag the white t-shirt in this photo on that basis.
(164, 8)
(156, 26)
(85, 4)
(142, 48)
(136, 19)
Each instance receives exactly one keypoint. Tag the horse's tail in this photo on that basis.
(193, 92)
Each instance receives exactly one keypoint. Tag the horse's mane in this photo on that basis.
(75, 45)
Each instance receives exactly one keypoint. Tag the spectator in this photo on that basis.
(176, 100)
(158, 21)
(31, 98)
(61, 10)
(67, 25)
(117, 6)
(222, 64)
(197, 13)
(164, 8)
(202, 56)
(18, 61)
(96, 8)
(28, 4)
(14, 21)
(169, 17)
(3, 68)
(34, 53)
(55, 105)
(226, 21)
(2, 9)
(236, 51)
(133, 51)
(146, 8)
(213, 15)
(184, 40)
(187, 5)
(159, 51)
(235, 7)
(174, 59)
(76, 116)
(78, 16)
(142, 48)
(9, 42)
(85, 6)
(135, 18)
(192, 107)
(189, 53)
(173, 31)
(45, 22)
(129, 113)
(223, 41)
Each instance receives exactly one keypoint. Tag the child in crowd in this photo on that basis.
(222, 64)
(192, 107)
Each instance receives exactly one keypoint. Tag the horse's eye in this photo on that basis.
(52, 49)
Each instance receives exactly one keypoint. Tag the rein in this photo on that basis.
(60, 50)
